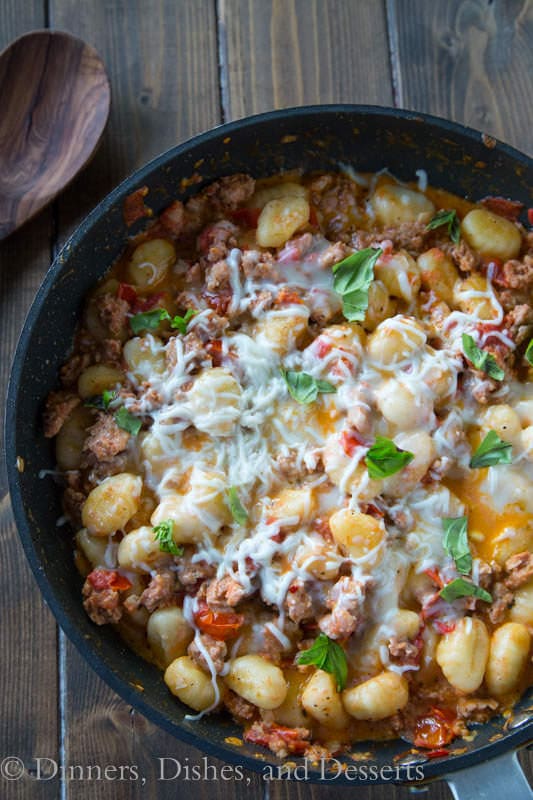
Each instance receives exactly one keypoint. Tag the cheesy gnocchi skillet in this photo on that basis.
(296, 438)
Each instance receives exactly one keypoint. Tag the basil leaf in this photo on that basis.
(127, 421)
(461, 588)
(148, 320)
(353, 276)
(492, 451)
(181, 322)
(456, 542)
(238, 512)
(481, 359)
(529, 353)
(448, 218)
(385, 459)
(101, 401)
(327, 655)
(163, 534)
(304, 388)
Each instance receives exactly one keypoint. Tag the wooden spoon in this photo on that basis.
(55, 104)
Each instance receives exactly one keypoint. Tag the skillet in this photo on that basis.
(368, 138)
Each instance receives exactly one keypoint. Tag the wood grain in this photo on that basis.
(55, 97)
(278, 53)
(469, 60)
(28, 674)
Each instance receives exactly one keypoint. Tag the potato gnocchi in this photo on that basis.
(296, 437)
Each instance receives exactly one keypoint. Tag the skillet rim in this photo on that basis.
(432, 768)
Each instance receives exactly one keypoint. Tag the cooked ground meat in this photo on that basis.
(73, 367)
(476, 709)
(173, 218)
(218, 276)
(190, 574)
(238, 707)
(113, 313)
(216, 241)
(345, 600)
(517, 274)
(58, 407)
(298, 602)
(280, 740)
(519, 322)
(520, 569)
(105, 439)
(111, 352)
(402, 651)
(161, 591)
(464, 258)
(215, 648)
(102, 605)
(410, 236)
(224, 592)
(336, 199)
(502, 601)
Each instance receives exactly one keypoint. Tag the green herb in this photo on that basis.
(481, 359)
(181, 322)
(148, 320)
(238, 512)
(529, 353)
(304, 388)
(448, 218)
(461, 588)
(385, 459)
(101, 401)
(456, 542)
(163, 534)
(491, 451)
(352, 280)
(127, 421)
(327, 655)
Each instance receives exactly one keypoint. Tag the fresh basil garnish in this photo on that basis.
(352, 278)
(448, 218)
(304, 388)
(385, 459)
(127, 421)
(529, 353)
(492, 451)
(461, 588)
(456, 542)
(101, 401)
(148, 320)
(481, 359)
(238, 512)
(327, 655)
(181, 322)
(163, 534)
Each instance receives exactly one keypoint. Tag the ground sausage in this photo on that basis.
(519, 568)
(238, 706)
(215, 648)
(113, 313)
(224, 592)
(345, 600)
(102, 605)
(105, 439)
(298, 602)
(58, 407)
(160, 592)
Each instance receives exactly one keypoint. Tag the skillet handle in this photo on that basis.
(501, 778)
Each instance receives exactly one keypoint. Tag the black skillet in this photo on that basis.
(368, 138)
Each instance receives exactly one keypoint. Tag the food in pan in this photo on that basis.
(296, 438)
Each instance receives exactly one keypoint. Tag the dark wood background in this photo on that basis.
(178, 67)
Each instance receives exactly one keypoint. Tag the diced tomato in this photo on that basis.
(313, 219)
(323, 347)
(374, 511)
(350, 441)
(510, 209)
(214, 349)
(102, 579)
(287, 296)
(433, 731)
(438, 753)
(218, 624)
(127, 293)
(246, 217)
(444, 627)
(265, 734)
(530, 216)
(146, 303)
(434, 574)
(322, 527)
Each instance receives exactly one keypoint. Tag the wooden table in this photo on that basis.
(178, 67)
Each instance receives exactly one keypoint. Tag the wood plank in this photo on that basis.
(470, 60)
(28, 673)
(161, 59)
(278, 53)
